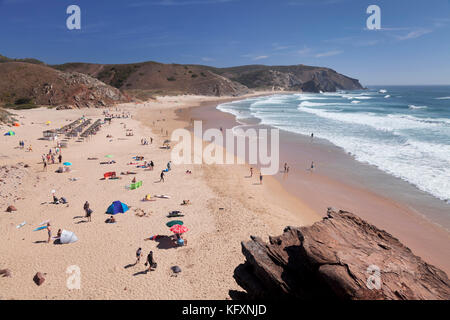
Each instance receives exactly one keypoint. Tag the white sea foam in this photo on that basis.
(411, 106)
(387, 96)
(317, 104)
(443, 98)
(356, 102)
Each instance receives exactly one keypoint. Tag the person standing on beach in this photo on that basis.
(138, 255)
(60, 158)
(49, 231)
(312, 166)
(285, 167)
(88, 211)
(150, 261)
(45, 165)
(162, 177)
(260, 178)
(251, 172)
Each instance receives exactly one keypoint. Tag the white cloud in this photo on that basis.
(328, 53)
(260, 57)
(414, 34)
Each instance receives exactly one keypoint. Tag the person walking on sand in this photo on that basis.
(150, 262)
(312, 166)
(88, 211)
(260, 178)
(45, 165)
(285, 166)
(162, 177)
(138, 255)
(251, 172)
(49, 231)
(60, 158)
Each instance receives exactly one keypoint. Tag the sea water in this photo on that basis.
(402, 130)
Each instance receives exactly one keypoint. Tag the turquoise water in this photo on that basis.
(402, 130)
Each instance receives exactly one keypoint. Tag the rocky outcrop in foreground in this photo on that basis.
(340, 257)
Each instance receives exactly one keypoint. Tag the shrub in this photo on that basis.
(171, 79)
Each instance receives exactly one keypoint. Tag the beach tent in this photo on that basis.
(10, 133)
(16, 124)
(117, 207)
(68, 237)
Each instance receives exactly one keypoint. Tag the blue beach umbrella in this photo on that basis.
(67, 163)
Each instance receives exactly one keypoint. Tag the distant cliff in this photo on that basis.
(340, 257)
(300, 77)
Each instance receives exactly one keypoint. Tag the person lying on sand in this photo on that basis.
(188, 172)
(111, 220)
(186, 202)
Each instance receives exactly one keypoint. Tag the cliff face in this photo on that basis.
(196, 79)
(299, 77)
(340, 257)
(38, 84)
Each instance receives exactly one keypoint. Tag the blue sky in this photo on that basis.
(412, 47)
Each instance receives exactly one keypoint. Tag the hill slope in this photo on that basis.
(147, 78)
(24, 85)
(197, 79)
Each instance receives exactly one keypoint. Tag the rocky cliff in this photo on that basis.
(340, 257)
(24, 85)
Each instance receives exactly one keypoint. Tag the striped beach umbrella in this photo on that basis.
(179, 229)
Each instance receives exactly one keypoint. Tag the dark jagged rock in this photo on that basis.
(340, 257)
(38, 278)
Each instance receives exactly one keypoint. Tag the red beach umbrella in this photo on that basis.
(179, 229)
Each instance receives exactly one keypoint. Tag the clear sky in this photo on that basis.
(412, 47)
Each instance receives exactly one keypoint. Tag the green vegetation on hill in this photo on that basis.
(28, 60)
(117, 75)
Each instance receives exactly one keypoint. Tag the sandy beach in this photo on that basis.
(226, 209)
(227, 206)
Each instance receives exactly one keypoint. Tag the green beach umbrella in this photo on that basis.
(174, 222)
(108, 156)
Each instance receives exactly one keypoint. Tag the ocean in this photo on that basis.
(402, 130)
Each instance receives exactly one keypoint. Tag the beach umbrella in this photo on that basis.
(16, 124)
(67, 163)
(10, 133)
(179, 229)
(48, 122)
(174, 222)
(53, 191)
(109, 156)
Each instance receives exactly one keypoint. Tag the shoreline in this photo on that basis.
(347, 184)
